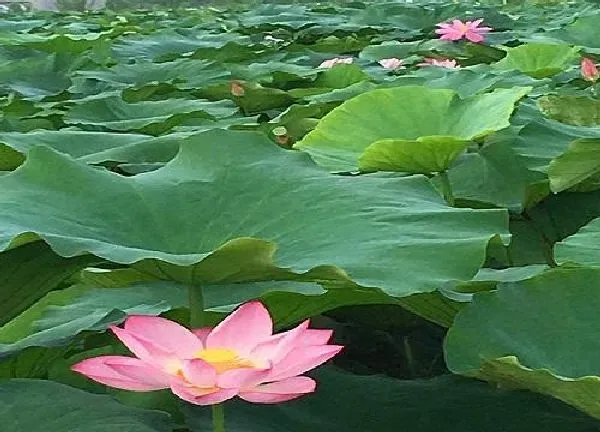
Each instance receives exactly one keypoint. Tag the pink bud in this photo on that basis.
(237, 89)
(589, 70)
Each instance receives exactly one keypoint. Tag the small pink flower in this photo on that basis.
(440, 62)
(457, 30)
(328, 64)
(391, 63)
(239, 357)
(589, 69)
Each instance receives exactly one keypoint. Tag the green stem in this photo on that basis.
(196, 300)
(218, 418)
(410, 359)
(446, 188)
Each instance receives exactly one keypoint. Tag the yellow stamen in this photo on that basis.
(223, 359)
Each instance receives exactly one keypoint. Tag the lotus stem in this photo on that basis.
(446, 188)
(218, 418)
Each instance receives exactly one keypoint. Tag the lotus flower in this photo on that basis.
(457, 30)
(391, 63)
(441, 62)
(328, 64)
(239, 357)
(589, 69)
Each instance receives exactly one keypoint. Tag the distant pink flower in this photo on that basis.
(391, 63)
(457, 30)
(239, 357)
(589, 69)
(328, 64)
(441, 62)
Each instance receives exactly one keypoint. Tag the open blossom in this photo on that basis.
(391, 63)
(328, 64)
(239, 357)
(457, 30)
(589, 69)
(441, 62)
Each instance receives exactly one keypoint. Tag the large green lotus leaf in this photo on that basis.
(538, 139)
(459, 404)
(539, 60)
(559, 358)
(46, 406)
(494, 175)
(583, 32)
(19, 115)
(293, 16)
(341, 76)
(63, 314)
(34, 362)
(583, 247)
(405, 113)
(168, 42)
(467, 53)
(562, 215)
(469, 82)
(529, 244)
(24, 25)
(16, 144)
(29, 272)
(572, 110)
(152, 117)
(424, 155)
(274, 73)
(36, 78)
(182, 73)
(71, 44)
(389, 49)
(236, 52)
(292, 302)
(320, 95)
(488, 279)
(580, 162)
(408, 17)
(236, 204)
(257, 99)
(91, 147)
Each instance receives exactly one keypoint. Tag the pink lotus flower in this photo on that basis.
(440, 62)
(457, 30)
(589, 69)
(391, 63)
(239, 357)
(328, 64)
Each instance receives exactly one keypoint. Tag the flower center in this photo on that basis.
(223, 359)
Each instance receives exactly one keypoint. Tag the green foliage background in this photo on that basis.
(445, 223)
